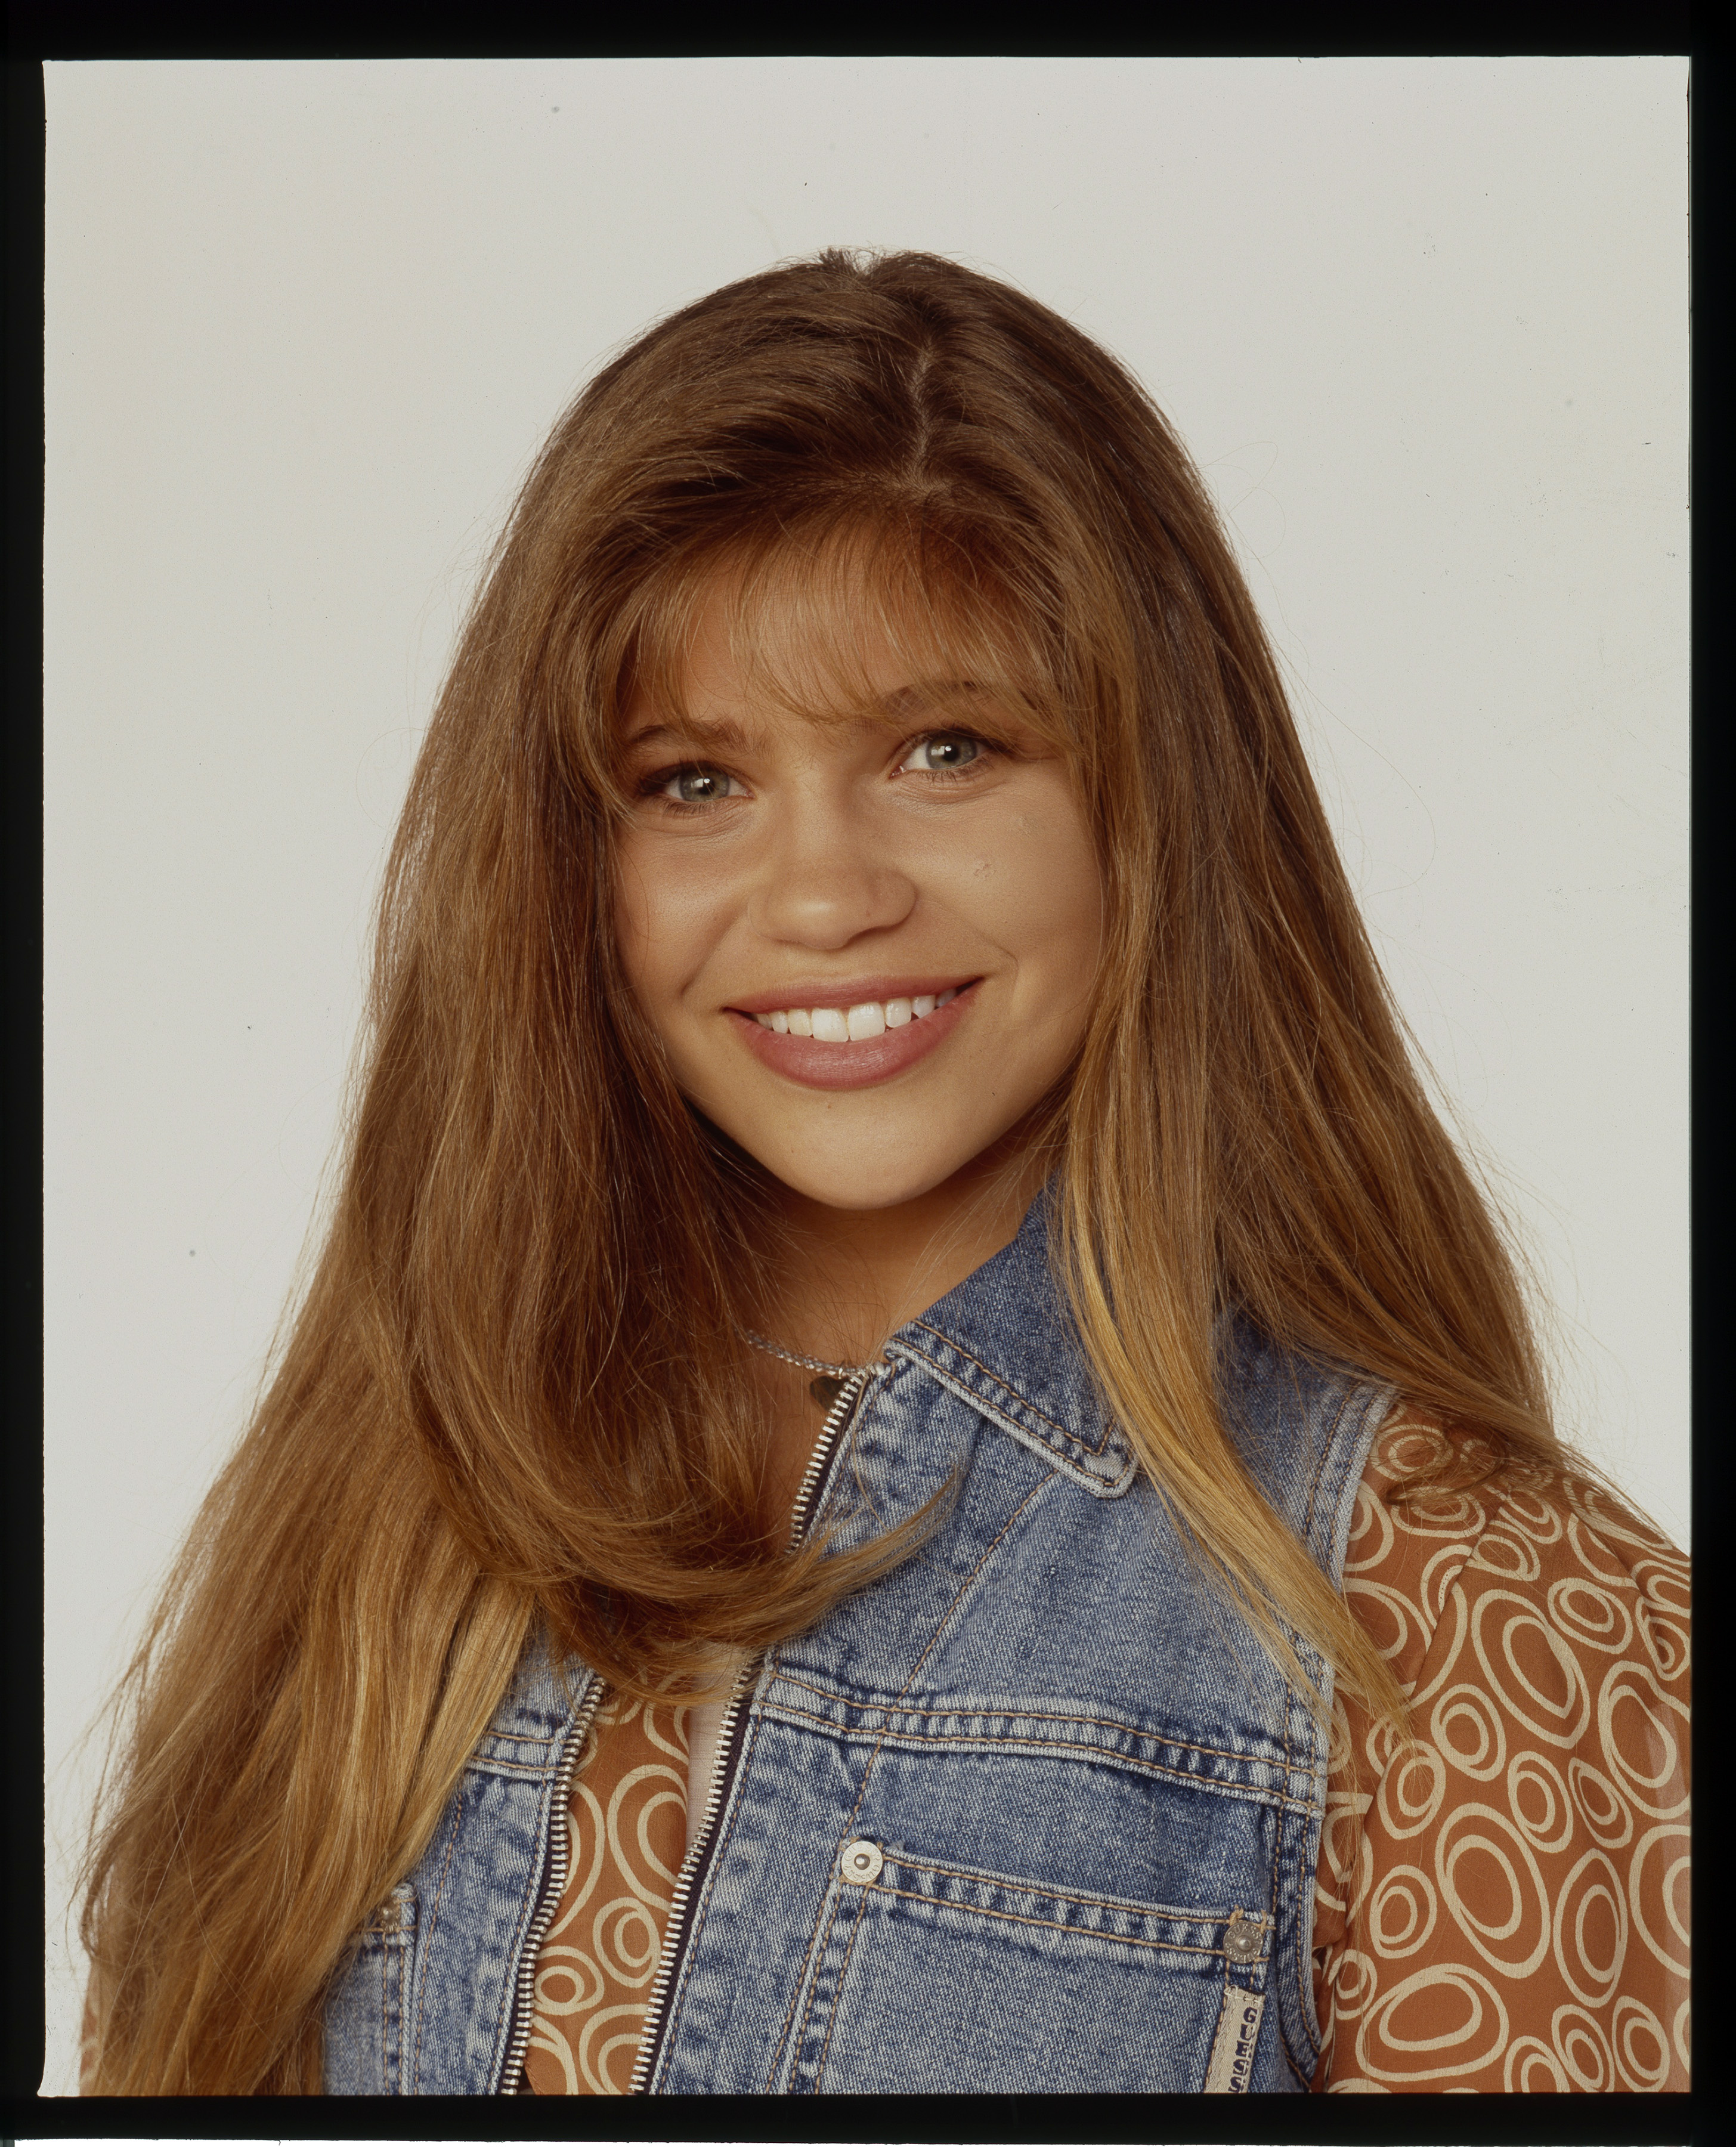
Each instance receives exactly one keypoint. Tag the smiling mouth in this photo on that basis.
(856, 1024)
(858, 1044)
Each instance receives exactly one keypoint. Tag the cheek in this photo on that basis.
(1073, 890)
(651, 944)
(1039, 893)
(666, 920)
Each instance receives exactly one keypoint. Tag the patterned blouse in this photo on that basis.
(1501, 1903)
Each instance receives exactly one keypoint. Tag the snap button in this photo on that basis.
(860, 1863)
(1242, 1941)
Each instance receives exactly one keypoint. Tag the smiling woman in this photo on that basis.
(845, 893)
(913, 1464)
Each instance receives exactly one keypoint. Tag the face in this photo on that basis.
(868, 945)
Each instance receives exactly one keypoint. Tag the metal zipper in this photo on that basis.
(730, 1739)
(555, 1885)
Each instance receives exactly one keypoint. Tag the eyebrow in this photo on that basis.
(693, 731)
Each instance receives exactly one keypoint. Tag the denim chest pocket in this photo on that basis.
(937, 1979)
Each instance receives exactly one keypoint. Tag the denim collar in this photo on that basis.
(1004, 1342)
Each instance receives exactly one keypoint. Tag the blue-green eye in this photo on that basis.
(940, 751)
(698, 786)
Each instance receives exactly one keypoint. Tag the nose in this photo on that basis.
(823, 882)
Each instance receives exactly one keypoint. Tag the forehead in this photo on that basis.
(834, 636)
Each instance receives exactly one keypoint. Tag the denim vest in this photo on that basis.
(1033, 1813)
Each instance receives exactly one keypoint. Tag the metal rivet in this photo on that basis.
(860, 1863)
(1242, 1941)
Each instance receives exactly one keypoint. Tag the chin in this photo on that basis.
(862, 1191)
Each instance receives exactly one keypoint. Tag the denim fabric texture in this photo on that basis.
(1095, 1805)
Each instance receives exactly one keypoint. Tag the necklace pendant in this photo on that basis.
(825, 1389)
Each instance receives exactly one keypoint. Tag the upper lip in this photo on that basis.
(846, 992)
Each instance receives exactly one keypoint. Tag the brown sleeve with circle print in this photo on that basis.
(1501, 1904)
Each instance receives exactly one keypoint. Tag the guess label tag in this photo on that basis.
(1238, 2030)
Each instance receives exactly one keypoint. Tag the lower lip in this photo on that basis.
(859, 1065)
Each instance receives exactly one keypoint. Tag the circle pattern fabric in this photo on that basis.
(626, 1836)
(1501, 1903)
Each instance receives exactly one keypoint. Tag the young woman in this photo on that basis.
(913, 1463)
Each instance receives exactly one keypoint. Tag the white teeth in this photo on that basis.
(872, 1018)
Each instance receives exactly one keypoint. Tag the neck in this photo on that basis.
(844, 1279)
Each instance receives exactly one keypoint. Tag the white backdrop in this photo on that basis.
(1423, 323)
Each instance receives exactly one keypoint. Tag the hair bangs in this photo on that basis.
(818, 620)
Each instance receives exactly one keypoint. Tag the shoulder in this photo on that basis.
(1502, 1895)
(1444, 1522)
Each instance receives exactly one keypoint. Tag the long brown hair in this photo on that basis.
(511, 1394)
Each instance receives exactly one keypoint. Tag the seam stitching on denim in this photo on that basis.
(812, 1968)
(1297, 1948)
(1082, 1752)
(1006, 1387)
(843, 1967)
(428, 1925)
(1159, 1909)
(1022, 1715)
(1043, 1924)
